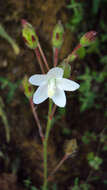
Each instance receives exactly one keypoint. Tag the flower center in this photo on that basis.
(51, 87)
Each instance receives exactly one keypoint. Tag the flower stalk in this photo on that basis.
(45, 143)
(43, 56)
(39, 59)
(36, 119)
(31, 40)
(56, 52)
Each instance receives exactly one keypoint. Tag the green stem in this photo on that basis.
(45, 143)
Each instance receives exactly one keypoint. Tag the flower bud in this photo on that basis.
(57, 37)
(28, 89)
(29, 35)
(67, 69)
(88, 38)
(71, 147)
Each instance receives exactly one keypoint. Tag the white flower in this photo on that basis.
(52, 85)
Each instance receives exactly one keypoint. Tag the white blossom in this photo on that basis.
(52, 85)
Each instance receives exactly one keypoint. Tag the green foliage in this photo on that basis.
(103, 140)
(28, 185)
(11, 88)
(77, 17)
(87, 96)
(88, 137)
(83, 186)
(90, 88)
(94, 161)
(4, 35)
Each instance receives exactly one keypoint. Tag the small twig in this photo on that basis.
(36, 119)
(65, 157)
(56, 52)
(39, 59)
(43, 56)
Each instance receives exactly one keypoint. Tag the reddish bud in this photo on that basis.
(29, 34)
(88, 38)
(91, 35)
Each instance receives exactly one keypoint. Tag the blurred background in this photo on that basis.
(85, 116)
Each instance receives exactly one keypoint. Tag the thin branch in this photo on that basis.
(58, 166)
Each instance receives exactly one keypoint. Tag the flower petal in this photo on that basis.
(37, 80)
(67, 85)
(59, 98)
(41, 94)
(55, 72)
